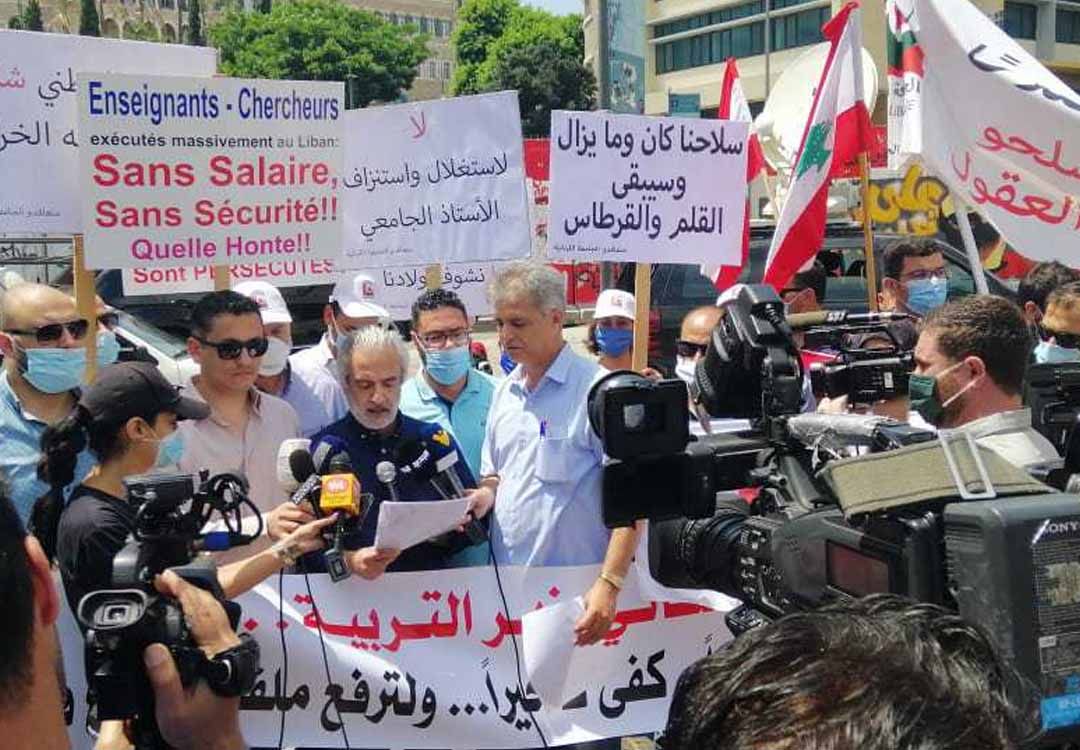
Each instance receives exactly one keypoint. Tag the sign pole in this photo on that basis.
(86, 304)
(642, 299)
(221, 278)
(868, 234)
(977, 271)
(433, 276)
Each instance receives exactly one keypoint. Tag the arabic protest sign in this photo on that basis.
(427, 660)
(194, 171)
(417, 191)
(39, 192)
(657, 190)
(395, 288)
(996, 126)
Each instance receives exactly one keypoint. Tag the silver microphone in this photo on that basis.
(386, 473)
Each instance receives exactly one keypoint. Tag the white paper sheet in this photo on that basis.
(405, 524)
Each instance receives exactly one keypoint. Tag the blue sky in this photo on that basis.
(559, 6)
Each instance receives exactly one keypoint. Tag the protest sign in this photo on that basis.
(981, 113)
(416, 190)
(395, 288)
(632, 188)
(429, 660)
(39, 192)
(193, 171)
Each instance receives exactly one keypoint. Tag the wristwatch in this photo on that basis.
(232, 672)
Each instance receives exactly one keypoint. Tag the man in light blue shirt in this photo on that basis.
(541, 463)
(449, 391)
(44, 363)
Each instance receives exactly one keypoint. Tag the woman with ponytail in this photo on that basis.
(128, 420)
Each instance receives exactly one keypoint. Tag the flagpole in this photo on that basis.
(868, 234)
(977, 271)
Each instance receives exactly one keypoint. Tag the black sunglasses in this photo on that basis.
(53, 332)
(231, 348)
(689, 348)
(1066, 340)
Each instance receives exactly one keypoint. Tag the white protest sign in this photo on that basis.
(435, 182)
(395, 288)
(40, 189)
(427, 660)
(195, 171)
(650, 189)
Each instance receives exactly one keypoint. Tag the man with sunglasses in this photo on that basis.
(1059, 329)
(245, 427)
(915, 279)
(351, 307)
(694, 336)
(42, 340)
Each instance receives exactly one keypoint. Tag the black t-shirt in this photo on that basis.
(93, 528)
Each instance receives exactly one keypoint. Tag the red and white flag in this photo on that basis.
(733, 106)
(837, 130)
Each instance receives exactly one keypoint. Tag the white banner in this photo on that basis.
(657, 190)
(194, 171)
(435, 182)
(395, 288)
(430, 660)
(39, 192)
(999, 128)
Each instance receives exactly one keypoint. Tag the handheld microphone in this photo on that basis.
(328, 448)
(444, 466)
(302, 465)
(387, 473)
(287, 476)
(340, 488)
(413, 459)
(835, 317)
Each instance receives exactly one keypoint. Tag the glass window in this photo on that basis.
(1020, 20)
(1068, 26)
(742, 44)
(447, 70)
(799, 29)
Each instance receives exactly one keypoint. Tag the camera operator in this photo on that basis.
(880, 673)
(1059, 329)
(901, 336)
(128, 419)
(1038, 283)
(30, 683)
(969, 370)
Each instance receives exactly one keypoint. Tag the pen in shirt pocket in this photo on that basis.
(543, 428)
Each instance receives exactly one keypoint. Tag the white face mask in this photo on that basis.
(276, 357)
(684, 369)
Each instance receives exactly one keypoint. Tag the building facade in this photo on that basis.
(166, 21)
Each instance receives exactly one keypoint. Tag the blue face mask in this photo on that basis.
(170, 449)
(925, 295)
(506, 363)
(447, 366)
(1048, 353)
(108, 349)
(54, 370)
(614, 341)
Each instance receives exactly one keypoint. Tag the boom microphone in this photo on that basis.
(836, 317)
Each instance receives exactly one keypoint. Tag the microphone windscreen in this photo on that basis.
(287, 478)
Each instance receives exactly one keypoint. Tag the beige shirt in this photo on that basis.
(213, 445)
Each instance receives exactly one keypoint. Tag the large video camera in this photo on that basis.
(845, 505)
(1052, 392)
(172, 511)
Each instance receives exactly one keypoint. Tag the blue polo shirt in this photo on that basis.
(366, 449)
(20, 449)
(465, 418)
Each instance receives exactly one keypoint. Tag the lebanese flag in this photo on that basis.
(837, 131)
(733, 106)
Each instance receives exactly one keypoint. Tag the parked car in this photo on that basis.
(140, 340)
(679, 288)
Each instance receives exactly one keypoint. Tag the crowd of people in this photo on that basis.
(531, 466)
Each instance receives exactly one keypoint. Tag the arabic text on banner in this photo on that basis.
(191, 171)
(40, 189)
(656, 190)
(435, 182)
(427, 660)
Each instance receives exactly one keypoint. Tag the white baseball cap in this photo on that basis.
(355, 295)
(614, 303)
(271, 304)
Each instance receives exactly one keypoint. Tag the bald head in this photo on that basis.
(698, 324)
(28, 306)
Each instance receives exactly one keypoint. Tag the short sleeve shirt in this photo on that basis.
(465, 418)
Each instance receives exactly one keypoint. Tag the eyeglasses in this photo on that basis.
(1062, 339)
(931, 273)
(690, 349)
(109, 320)
(53, 332)
(440, 339)
(231, 348)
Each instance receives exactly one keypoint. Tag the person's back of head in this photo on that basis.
(1040, 281)
(988, 327)
(882, 673)
(797, 294)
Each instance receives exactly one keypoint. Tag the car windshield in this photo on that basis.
(171, 346)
